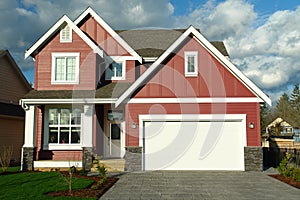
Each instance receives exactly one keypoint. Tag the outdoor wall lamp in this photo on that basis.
(251, 125)
(133, 125)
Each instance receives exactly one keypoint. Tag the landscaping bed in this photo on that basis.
(291, 181)
(93, 191)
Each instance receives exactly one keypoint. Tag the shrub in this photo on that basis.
(5, 157)
(102, 170)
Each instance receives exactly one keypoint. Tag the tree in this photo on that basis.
(295, 103)
(285, 110)
(266, 116)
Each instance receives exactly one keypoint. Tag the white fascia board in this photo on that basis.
(197, 100)
(57, 26)
(211, 49)
(24, 102)
(116, 36)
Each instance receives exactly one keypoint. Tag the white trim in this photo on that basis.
(211, 49)
(195, 55)
(196, 100)
(24, 102)
(51, 146)
(87, 125)
(65, 54)
(29, 136)
(149, 59)
(57, 164)
(114, 35)
(191, 117)
(56, 27)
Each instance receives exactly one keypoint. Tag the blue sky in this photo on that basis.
(262, 36)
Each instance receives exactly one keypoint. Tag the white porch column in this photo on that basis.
(87, 125)
(87, 136)
(29, 138)
(27, 156)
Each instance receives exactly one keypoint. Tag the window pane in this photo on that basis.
(53, 135)
(53, 116)
(64, 135)
(64, 116)
(75, 135)
(65, 33)
(115, 131)
(60, 69)
(76, 116)
(191, 63)
(109, 72)
(71, 68)
(118, 69)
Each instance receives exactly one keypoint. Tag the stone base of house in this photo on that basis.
(28, 158)
(87, 158)
(133, 158)
(253, 158)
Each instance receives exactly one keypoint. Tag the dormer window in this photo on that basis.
(66, 34)
(115, 71)
(191, 63)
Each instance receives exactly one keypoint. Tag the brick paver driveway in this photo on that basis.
(200, 185)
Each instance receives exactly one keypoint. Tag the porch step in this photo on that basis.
(112, 165)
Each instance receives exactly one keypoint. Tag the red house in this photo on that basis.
(160, 99)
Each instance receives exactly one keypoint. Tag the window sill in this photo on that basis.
(65, 83)
(63, 147)
(191, 75)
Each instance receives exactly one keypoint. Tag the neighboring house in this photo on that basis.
(161, 99)
(282, 134)
(12, 117)
(280, 128)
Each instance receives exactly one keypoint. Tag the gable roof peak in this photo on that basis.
(64, 19)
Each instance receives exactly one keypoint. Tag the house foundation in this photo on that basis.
(87, 158)
(253, 158)
(28, 158)
(133, 158)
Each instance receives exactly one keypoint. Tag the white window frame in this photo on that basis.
(117, 60)
(57, 55)
(61, 37)
(186, 55)
(58, 146)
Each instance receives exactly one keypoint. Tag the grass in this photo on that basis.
(11, 169)
(35, 185)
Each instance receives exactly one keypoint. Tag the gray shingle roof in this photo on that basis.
(112, 90)
(152, 43)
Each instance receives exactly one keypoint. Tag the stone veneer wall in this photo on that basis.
(28, 158)
(87, 158)
(133, 158)
(253, 158)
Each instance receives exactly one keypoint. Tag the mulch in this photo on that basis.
(290, 181)
(87, 192)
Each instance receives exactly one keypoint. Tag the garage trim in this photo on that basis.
(189, 117)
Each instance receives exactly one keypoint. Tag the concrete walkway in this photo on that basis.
(200, 185)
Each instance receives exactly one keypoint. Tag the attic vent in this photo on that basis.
(66, 34)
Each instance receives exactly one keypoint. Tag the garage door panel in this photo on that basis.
(193, 145)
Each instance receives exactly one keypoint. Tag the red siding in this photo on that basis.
(103, 38)
(213, 80)
(43, 65)
(250, 109)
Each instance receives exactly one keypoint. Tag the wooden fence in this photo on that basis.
(273, 155)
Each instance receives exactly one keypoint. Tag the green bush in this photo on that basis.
(287, 169)
(102, 170)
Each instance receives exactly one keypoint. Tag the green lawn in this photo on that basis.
(12, 169)
(30, 185)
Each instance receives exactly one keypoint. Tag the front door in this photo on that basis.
(113, 137)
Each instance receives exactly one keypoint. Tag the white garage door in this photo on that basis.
(194, 145)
